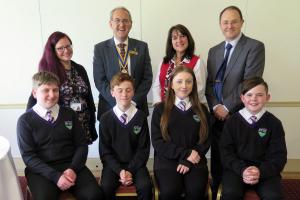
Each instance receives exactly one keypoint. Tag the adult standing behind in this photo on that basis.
(229, 63)
(75, 89)
(179, 51)
(124, 54)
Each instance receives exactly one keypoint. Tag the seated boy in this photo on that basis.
(124, 142)
(53, 146)
(253, 148)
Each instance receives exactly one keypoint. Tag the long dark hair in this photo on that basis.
(197, 106)
(49, 61)
(170, 51)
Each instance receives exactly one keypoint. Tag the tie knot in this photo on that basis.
(122, 45)
(123, 118)
(182, 105)
(253, 119)
(228, 47)
(49, 116)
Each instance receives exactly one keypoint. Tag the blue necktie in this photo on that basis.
(218, 86)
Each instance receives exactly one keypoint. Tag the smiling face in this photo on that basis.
(231, 24)
(179, 42)
(121, 24)
(64, 50)
(182, 84)
(46, 95)
(123, 94)
(255, 99)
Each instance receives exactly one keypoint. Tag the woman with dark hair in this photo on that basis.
(179, 51)
(180, 138)
(75, 90)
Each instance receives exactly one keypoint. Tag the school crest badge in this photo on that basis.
(262, 132)
(196, 118)
(69, 124)
(137, 129)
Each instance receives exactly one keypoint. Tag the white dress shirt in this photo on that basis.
(130, 112)
(186, 100)
(42, 112)
(247, 115)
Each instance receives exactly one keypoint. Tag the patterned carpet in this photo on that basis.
(291, 188)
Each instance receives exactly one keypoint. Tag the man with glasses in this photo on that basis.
(124, 54)
(229, 63)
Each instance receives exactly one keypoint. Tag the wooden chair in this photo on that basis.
(249, 194)
(156, 190)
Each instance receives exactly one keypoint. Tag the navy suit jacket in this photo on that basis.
(106, 65)
(247, 60)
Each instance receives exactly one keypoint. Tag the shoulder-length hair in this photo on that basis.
(49, 61)
(170, 51)
(197, 106)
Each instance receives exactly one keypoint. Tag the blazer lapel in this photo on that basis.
(113, 55)
(220, 56)
(133, 58)
(236, 53)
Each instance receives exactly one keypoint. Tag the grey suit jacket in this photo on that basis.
(247, 60)
(106, 65)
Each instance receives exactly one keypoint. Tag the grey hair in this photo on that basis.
(120, 8)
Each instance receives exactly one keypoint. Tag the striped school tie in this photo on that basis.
(49, 116)
(253, 119)
(182, 105)
(123, 118)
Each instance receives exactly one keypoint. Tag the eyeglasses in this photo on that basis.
(232, 23)
(62, 49)
(119, 21)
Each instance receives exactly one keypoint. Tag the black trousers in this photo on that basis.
(141, 179)
(172, 184)
(234, 187)
(216, 165)
(85, 188)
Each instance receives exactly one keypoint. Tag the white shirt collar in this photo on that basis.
(185, 60)
(130, 112)
(246, 114)
(118, 42)
(234, 41)
(186, 100)
(41, 111)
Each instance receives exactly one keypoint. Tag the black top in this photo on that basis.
(124, 146)
(43, 144)
(261, 144)
(88, 98)
(183, 129)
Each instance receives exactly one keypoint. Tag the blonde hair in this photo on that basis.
(44, 77)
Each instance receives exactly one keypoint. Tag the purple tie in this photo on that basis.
(182, 105)
(49, 116)
(123, 118)
(253, 119)
(122, 50)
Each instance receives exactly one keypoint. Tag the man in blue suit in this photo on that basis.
(244, 58)
(124, 54)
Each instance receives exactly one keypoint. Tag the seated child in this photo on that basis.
(53, 146)
(180, 134)
(253, 148)
(124, 142)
